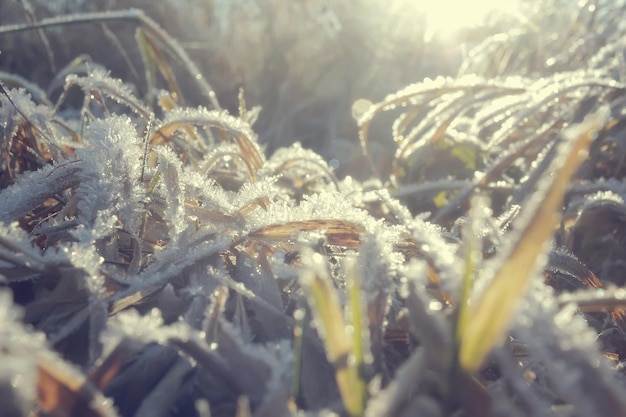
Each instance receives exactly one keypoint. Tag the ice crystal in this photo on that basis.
(111, 186)
(170, 167)
(146, 328)
(429, 240)
(379, 261)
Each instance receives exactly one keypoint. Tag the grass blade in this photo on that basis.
(491, 314)
(356, 316)
(339, 344)
(338, 232)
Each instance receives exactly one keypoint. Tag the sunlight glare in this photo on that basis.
(444, 18)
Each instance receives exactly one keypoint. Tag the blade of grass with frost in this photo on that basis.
(356, 316)
(327, 309)
(490, 315)
(473, 257)
(15, 81)
(491, 174)
(418, 94)
(240, 132)
(338, 232)
(99, 80)
(151, 51)
(149, 63)
(168, 102)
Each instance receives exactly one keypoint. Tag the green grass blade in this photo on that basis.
(490, 316)
(324, 302)
(356, 315)
(472, 260)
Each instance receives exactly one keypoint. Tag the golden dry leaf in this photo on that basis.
(338, 232)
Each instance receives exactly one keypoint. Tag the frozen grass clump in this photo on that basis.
(155, 261)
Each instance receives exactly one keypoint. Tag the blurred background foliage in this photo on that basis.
(307, 62)
(304, 62)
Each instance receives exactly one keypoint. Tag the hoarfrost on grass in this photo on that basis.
(567, 347)
(430, 240)
(234, 126)
(112, 165)
(40, 115)
(321, 206)
(17, 249)
(41, 184)
(378, 261)
(174, 258)
(18, 372)
(99, 80)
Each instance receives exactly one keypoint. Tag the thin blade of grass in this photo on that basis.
(595, 300)
(326, 307)
(357, 316)
(417, 94)
(149, 63)
(227, 126)
(473, 259)
(491, 314)
(113, 38)
(15, 81)
(338, 232)
(153, 59)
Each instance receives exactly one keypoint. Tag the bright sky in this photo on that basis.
(445, 17)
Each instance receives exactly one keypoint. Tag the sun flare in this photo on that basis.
(445, 17)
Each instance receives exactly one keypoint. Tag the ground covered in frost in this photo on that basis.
(234, 215)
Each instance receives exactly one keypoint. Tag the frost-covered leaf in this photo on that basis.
(482, 329)
(17, 250)
(241, 369)
(238, 130)
(337, 232)
(100, 82)
(566, 347)
(33, 377)
(110, 187)
(340, 350)
(15, 201)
